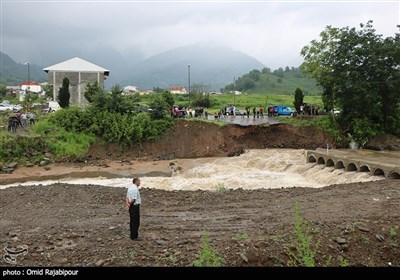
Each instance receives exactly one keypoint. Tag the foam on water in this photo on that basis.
(264, 168)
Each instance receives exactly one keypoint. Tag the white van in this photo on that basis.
(54, 106)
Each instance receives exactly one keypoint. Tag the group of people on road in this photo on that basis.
(308, 109)
(184, 112)
(20, 120)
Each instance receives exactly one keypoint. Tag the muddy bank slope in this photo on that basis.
(193, 139)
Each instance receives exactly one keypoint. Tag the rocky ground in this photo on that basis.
(63, 225)
(354, 225)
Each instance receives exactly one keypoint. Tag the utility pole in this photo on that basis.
(189, 82)
(234, 91)
(29, 74)
(27, 94)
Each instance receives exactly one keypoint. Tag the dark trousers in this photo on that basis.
(134, 213)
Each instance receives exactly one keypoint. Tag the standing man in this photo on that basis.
(31, 117)
(133, 202)
(23, 119)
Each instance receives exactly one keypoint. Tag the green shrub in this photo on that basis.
(241, 236)
(343, 262)
(17, 148)
(365, 129)
(221, 188)
(306, 250)
(324, 123)
(208, 256)
(61, 142)
(112, 127)
(393, 233)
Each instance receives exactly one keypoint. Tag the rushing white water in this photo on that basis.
(264, 168)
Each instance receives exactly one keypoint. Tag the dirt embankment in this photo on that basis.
(190, 139)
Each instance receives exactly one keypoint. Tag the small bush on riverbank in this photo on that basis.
(15, 148)
(324, 123)
(126, 129)
(63, 143)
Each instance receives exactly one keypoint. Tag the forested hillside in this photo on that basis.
(279, 81)
(13, 73)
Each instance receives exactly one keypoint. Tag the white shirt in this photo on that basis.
(133, 193)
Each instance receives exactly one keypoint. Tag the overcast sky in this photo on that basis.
(271, 31)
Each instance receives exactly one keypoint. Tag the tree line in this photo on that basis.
(359, 72)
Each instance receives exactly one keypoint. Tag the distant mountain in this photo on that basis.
(104, 56)
(211, 66)
(13, 73)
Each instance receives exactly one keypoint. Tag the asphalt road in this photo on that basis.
(244, 121)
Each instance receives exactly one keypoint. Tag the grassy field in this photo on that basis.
(291, 80)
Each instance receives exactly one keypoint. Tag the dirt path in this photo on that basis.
(63, 225)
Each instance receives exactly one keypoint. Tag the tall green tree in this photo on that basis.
(48, 89)
(64, 95)
(266, 70)
(101, 100)
(360, 75)
(91, 90)
(3, 90)
(159, 106)
(117, 102)
(279, 72)
(254, 74)
(168, 98)
(158, 90)
(298, 99)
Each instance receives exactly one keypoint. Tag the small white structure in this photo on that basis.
(178, 90)
(54, 106)
(131, 89)
(148, 91)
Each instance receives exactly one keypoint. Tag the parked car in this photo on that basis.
(6, 107)
(17, 108)
(229, 110)
(283, 110)
(47, 110)
(39, 107)
(142, 108)
(335, 111)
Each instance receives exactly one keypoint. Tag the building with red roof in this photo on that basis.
(31, 87)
